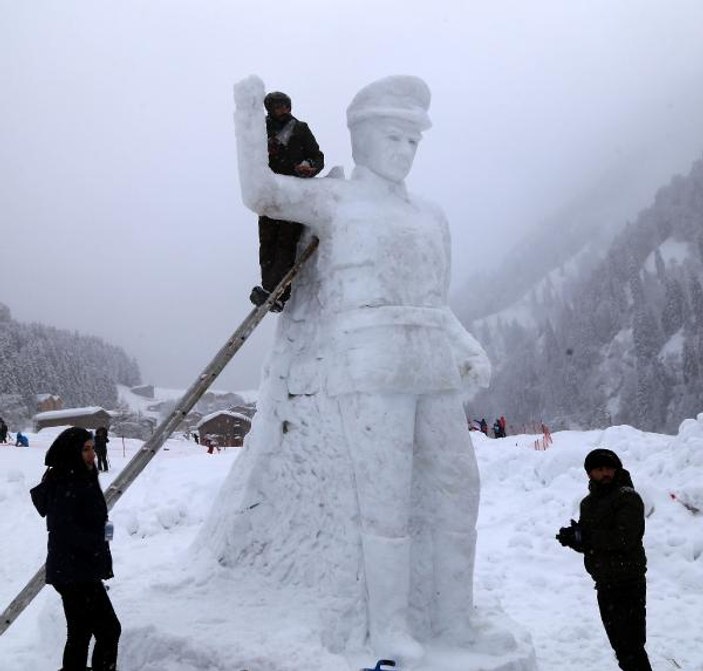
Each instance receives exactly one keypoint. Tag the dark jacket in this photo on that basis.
(76, 512)
(290, 143)
(612, 524)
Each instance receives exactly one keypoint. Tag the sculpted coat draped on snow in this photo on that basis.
(359, 476)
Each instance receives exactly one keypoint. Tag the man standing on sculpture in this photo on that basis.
(292, 150)
(609, 534)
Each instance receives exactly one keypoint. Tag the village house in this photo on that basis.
(91, 417)
(224, 428)
(47, 402)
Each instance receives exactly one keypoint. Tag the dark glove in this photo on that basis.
(571, 536)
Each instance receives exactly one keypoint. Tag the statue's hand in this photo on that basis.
(475, 370)
(249, 93)
(474, 367)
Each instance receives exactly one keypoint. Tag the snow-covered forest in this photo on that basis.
(615, 338)
(36, 359)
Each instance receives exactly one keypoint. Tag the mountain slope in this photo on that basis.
(36, 359)
(618, 340)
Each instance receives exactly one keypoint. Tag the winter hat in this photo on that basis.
(276, 98)
(600, 458)
(65, 451)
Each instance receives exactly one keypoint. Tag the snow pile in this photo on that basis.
(180, 613)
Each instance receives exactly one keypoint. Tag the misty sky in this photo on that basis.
(120, 213)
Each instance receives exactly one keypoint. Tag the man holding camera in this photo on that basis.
(609, 534)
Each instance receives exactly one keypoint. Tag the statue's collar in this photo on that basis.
(361, 173)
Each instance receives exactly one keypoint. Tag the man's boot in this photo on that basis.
(258, 296)
(387, 568)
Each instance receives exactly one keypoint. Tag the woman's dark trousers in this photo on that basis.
(89, 613)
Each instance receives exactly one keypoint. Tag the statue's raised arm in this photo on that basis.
(263, 191)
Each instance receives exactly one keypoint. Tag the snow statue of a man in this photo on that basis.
(359, 480)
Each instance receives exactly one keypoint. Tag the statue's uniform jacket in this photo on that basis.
(382, 279)
(384, 323)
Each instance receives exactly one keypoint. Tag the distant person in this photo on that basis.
(503, 426)
(101, 441)
(609, 534)
(483, 424)
(3, 431)
(211, 443)
(195, 438)
(22, 440)
(292, 150)
(496, 429)
(78, 557)
(547, 434)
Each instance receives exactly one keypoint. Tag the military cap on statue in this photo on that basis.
(396, 97)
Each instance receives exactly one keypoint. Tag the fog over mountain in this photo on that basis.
(611, 334)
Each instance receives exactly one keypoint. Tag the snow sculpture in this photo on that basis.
(359, 479)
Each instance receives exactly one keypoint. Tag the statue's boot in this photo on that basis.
(387, 567)
(454, 554)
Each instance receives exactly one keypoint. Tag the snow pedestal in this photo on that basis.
(357, 492)
(228, 621)
(499, 645)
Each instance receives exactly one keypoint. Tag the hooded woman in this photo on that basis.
(78, 557)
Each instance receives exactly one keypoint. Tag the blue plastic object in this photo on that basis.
(380, 664)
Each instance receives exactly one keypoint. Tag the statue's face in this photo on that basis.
(386, 147)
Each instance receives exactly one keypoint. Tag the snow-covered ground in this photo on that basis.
(181, 614)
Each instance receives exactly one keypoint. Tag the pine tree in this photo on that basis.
(674, 311)
(690, 363)
(696, 302)
(646, 334)
(660, 266)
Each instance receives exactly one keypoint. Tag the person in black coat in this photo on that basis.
(101, 441)
(609, 534)
(293, 150)
(78, 557)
